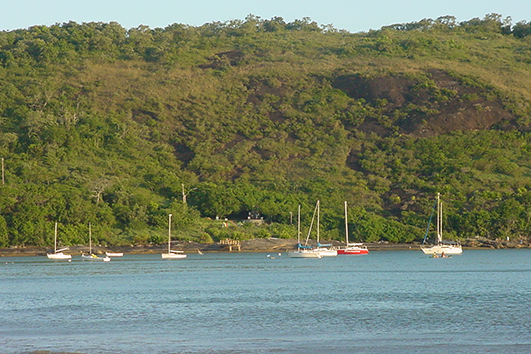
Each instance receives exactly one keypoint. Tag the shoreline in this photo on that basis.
(256, 245)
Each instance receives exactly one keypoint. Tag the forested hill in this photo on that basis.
(115, 126)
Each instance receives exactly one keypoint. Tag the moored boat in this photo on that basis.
(58, 254)
(351, 248)
(305, 251)
(302, 251)
(440, 247)
(325, 250)
(171, 253)
(114, 254)
(443, 248)
(91, 256)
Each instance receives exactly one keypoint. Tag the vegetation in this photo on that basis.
(120, 127)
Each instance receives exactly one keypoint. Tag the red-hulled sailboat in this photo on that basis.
(351, 248)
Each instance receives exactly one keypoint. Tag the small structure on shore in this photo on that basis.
(230, 244)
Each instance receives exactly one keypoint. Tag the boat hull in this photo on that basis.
(440, 249)
(353, 251)
(93, 257)
(114, 254)
(326, 252)
(304, 254)
(58, 255)
(89, 257)
(173, 255)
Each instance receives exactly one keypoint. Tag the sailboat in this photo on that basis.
(440, 248)
(351, 248)
(91, 256)
(114, 254)
(305, 251)
(171, 253)
(58, 254)
(324, 250)
(302, 251)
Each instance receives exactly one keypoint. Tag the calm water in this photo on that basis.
(386, 302)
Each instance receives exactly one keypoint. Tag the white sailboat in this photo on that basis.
(324, 250)
(441, 248)
(351, 248)
(302, 251)
(91, 256)
(171, 253)
(58, 254)
(114, 254)
(313, 252)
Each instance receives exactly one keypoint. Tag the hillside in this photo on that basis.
(120, 127)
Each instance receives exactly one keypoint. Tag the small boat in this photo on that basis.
(91, 256)
(351, 248)
(58, 254)
(171, 253)
(440, 247)
(114, 254)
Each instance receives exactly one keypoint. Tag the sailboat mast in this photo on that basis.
(318, 223)
(90, 240)
(55, 240)
(346, 224)
(441, 227)
(439, 217)
(311, 224)
(169, 233)
(299, 226)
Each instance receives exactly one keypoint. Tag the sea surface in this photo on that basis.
(385, 302)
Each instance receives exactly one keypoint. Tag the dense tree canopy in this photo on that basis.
(119, 127)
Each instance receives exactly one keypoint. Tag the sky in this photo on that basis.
(350, 15)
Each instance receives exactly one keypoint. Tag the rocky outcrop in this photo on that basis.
(442, 105)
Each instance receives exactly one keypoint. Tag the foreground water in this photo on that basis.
(386, 302)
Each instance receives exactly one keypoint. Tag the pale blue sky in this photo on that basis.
(353, 15)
